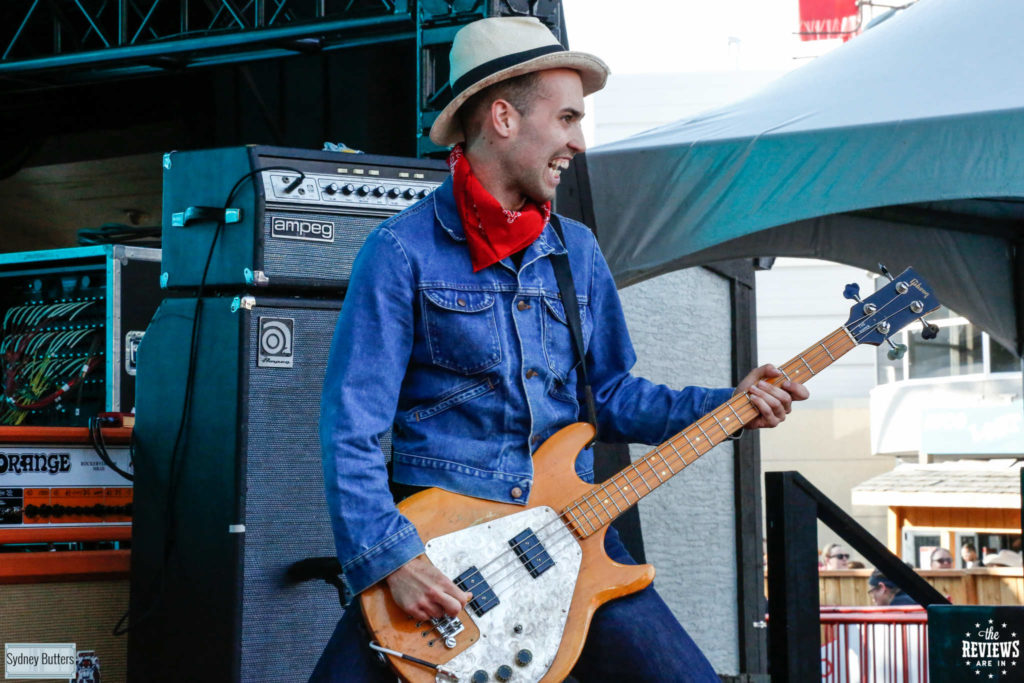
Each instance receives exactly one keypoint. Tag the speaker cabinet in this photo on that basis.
(219, 520)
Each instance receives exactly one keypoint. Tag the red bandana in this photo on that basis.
(492, 232)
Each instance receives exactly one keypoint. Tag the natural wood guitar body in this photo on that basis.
(435, 513)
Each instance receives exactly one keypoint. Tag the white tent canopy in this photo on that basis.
(905, 146)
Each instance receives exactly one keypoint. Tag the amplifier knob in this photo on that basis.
(394, 192)
(363, 190)
(378, 191)
(333, 188)
(423, 193)
(409, 193)
(348, 189)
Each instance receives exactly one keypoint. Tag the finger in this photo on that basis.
(449, 604)
(780, 399)
(767, 404)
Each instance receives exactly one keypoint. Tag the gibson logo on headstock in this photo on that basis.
(916, 284)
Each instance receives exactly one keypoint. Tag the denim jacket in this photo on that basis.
(471, 372)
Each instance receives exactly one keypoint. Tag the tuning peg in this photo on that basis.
(897, 351)
(885, 271)
(930, 331)
(852, 291)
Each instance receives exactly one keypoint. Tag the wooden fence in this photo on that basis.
(983, 586)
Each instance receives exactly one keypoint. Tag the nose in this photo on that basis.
(576, 142)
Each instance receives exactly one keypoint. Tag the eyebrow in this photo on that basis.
(575, 112)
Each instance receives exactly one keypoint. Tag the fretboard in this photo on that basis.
(604, 503)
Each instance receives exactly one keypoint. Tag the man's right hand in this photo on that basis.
(422, 591)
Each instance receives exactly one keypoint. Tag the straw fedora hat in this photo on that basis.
(492, 50)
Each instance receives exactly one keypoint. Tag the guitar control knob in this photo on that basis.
(503, 673)
(378, 191)
(524, 657)
(348, 189)
(479, 676)
(363, 190)
(409, 193)
(394, 192)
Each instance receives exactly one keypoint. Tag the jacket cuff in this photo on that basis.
(391, 553)
(713, 399)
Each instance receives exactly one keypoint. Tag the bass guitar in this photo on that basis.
(537, 573)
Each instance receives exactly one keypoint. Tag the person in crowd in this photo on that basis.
(941, 559)
(969, 555)
(885, 592)
(1004, 558)
(835, 556)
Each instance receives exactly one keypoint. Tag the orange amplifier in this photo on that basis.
(55, 485)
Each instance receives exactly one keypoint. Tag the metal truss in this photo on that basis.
(41, 36)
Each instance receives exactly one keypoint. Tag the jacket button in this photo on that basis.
(461, 302)
(522, 305)
(531, 373)
(516, 492)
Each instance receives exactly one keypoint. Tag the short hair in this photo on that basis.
(969, 546)
(931, 557)
(519, 91)
(877, 577)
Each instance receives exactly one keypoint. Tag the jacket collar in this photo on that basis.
(448, 217)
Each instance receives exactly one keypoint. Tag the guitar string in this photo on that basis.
(810, 356)
(497, 578)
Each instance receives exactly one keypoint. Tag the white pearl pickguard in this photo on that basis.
(540, 606)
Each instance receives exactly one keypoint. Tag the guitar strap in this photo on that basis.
(563, 274)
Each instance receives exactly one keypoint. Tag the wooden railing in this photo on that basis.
(983, 586)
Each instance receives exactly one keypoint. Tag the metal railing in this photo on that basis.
(793, 507)
(874, 645)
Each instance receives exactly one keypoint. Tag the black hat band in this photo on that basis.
(486, 69)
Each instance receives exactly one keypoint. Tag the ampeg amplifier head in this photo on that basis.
(298, 224)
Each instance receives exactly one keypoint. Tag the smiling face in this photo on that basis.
(546, 138)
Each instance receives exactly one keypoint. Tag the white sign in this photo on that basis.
(26, 661)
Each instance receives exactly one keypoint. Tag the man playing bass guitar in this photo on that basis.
(454, 336)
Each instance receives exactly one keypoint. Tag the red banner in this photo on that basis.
(825, 19)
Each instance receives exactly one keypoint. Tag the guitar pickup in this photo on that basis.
(531, 552)
(484, 599)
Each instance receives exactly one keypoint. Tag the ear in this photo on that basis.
(504, 120)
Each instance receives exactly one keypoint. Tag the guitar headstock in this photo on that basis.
(905, 299)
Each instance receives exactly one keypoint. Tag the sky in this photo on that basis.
(686, 36)
(651, 36)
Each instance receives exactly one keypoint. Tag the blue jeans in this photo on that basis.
(634, 638)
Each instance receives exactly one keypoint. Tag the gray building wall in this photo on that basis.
(681, 326)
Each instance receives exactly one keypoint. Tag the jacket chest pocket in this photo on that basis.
(558, 343)
(461, 330)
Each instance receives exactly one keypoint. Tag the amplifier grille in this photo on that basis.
(313, 258)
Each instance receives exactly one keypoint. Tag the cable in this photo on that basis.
(177, 461)
(100, 446)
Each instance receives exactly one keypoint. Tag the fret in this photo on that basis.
(697, 425)
(660, 480)
(621, 493)
(822, 345)
(843, 328)
(720, 425)
(734, 412)
(694, 448)
(585, 518)
(809, 368)
(784, 373)
(666, 461)
(596, 513)
(647, 461)
(571, 509)
(673, 445)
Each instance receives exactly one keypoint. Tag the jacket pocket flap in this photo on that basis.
(460, 302)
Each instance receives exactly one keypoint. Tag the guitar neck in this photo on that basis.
(588, 514)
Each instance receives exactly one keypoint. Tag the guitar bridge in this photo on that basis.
(448, 628)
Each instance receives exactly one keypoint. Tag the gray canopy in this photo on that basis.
(904, 146)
